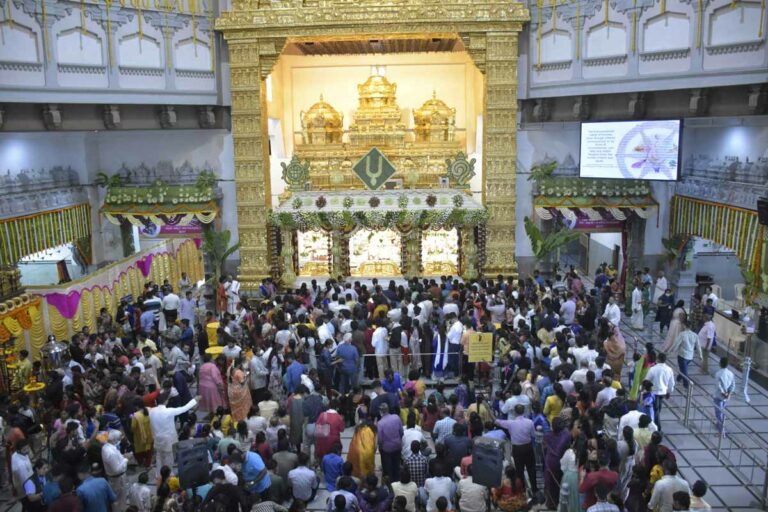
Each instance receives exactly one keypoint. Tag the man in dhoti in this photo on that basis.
(637, 308)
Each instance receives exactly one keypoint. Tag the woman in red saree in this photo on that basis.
(328, 429)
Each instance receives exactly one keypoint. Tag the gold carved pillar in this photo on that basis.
(413, 266)
(468, 254)
(499, 143)
(288, 277)
(251, 60)
(338, 238)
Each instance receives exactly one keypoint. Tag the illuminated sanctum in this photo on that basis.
(374, 139)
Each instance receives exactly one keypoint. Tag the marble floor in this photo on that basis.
(733, 465)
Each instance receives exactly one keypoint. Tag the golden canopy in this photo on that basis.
(435, 121)
(322, 124)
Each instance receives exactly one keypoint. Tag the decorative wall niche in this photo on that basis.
(738, 24)
(606, 40)
(666, 32)
(137, 51)
(19, 43)
(556, 46)
(193, 54)
(78, 47)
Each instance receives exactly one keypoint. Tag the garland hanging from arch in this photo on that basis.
(402, 220)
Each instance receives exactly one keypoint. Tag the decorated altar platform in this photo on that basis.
(387, 233)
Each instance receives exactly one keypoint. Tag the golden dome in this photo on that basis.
(435, 121)
(321, 124)
(377, 91)
(377, 120)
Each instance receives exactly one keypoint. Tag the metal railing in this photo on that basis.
(735, 445)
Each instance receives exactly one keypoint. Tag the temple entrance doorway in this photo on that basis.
(375, 253)
(314, 253)
(440, 252)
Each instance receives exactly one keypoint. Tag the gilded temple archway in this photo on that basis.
(257, 32)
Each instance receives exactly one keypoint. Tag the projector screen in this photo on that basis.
(643, 150)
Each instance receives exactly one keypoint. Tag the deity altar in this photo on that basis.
(377, 199)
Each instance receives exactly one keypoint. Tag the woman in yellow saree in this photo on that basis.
(362, 450)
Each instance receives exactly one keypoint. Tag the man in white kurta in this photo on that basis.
(233, 296)
(162, 420)
(21, 466)
(660, 288)
(115, 465)
(612, 312)
(454, 345)
(637, 308)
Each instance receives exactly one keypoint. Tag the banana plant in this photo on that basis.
(674, 246)
(544, 246)
(751, 287)
(216, 247)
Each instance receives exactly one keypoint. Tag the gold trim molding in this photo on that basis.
(257, 31)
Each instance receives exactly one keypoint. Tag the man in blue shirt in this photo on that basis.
(391, 383)
(33, 488)
(253, 469)
(95, 493)
(349, 360)
(147, 320)
(332, 465)
(187, 334)
(293, 374)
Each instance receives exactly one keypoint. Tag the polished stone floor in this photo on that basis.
(735, 471)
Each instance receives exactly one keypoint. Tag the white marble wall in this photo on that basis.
(128, 55)
(539, 143)
(92, 152)
(598, 46)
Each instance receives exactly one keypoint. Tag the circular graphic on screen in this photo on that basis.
(650, 151)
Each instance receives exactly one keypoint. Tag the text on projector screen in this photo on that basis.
(643, 150)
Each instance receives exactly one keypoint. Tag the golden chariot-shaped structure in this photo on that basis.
(322, 124)
(377, 121)
(434, 121)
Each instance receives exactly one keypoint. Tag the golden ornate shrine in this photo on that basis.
(435, 121)
(420, 157)
(257, 31)
(321, 124)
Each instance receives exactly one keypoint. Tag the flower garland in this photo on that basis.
(376, 219)
(274, 251)
(482, 235)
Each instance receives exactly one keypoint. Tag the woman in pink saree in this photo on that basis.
(239, 393)
(211, 385)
